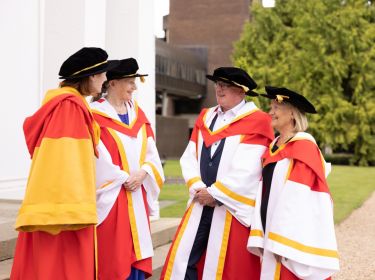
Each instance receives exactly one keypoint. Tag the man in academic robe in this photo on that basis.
(222, 168)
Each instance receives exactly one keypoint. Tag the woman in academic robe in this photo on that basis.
(293, 222)
(129, 178)
(57, 216)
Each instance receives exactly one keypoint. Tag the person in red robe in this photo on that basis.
(57, 216)
(129, 178)
(293, 229)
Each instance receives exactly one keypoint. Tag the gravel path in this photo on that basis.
(356, 242)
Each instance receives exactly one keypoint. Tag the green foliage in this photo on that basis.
(324, 49)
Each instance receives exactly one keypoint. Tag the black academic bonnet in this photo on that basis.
(234, 76)
(86, 62)
(127, 68)
(286, 95)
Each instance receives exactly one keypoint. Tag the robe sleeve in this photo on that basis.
(302, 227)
(109, 175)
(256, 239)
(237, 188)
(152, 165)
(190, 165)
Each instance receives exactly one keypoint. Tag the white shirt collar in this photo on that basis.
(234, 110)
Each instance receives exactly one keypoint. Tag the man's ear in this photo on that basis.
(241, 91)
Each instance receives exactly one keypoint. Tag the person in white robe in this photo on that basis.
(222, 168)
(293, 227)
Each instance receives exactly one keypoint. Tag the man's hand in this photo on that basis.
(135, 180)
(204, 198)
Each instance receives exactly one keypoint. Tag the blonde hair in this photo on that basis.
(300, 119)
(82, 85)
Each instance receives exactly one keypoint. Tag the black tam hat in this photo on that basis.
(86, 62)
(286, 95)
(127, 68)
(234, 76)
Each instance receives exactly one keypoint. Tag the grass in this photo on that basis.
(172, 168)
(178, 193)
(350, 187)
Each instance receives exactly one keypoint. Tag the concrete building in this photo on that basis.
(212, 25)
(180, 89)
(37, 36)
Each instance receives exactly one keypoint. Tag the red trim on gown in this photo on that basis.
(238, 260)
(116, 253)
(67, 255)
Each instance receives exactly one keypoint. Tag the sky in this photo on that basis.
(268, 3)
(161, 8)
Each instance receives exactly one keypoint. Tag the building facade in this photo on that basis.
(212, 25)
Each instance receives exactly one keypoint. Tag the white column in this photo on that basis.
(165, 103)
(95, 21)
(64, 34)
(20, 87)
(130, 33)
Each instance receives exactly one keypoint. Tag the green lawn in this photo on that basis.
(172, 168)
(350, 186)
(179, 193)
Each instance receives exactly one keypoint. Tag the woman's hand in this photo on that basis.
(135, 180)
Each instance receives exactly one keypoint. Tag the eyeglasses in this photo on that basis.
(223, 85)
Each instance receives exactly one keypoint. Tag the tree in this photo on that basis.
(324, 49)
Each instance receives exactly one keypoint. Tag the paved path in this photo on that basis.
(356, 241)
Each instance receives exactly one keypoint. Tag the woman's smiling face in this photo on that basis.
(124, 88)
(282, 115)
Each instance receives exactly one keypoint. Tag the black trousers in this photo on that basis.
(200, 243)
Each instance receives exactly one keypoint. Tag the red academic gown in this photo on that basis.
(53, 202)
(116, 253)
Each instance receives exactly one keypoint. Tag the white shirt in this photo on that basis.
(224, 118)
